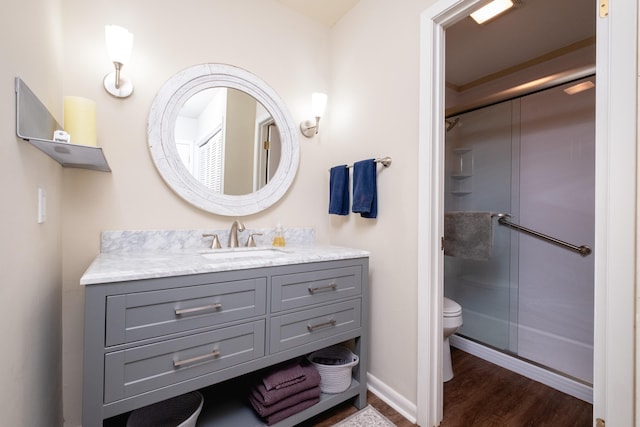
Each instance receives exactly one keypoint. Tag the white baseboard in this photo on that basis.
(392, 398)
(536, 373)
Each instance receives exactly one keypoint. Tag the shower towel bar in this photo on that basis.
(385, 161)
(582, 250)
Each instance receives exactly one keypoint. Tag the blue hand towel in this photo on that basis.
(365, 198)
(339, 190)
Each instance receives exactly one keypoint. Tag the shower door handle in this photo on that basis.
(583, 250)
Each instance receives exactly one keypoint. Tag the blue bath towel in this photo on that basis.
(339, 190)
(365, 198)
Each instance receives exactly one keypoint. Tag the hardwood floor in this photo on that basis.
(485, 395)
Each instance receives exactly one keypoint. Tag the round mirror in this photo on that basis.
(228, 141)
(223, 140)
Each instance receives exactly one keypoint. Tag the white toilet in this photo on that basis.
(451, 322)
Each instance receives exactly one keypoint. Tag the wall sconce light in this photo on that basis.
(119, 43)
(318, 105)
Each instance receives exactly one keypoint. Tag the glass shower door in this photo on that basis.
(534, 159)
(479, 173)
(557, 198)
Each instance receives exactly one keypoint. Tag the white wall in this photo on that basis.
(30, 253)
(239, 143)
(373, 112)
(280, 46)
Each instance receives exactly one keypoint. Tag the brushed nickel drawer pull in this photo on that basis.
(331, 287)
(180, 311)
(178, 363)
(312, 328)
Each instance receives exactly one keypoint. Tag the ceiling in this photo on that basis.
(530, 30)
(327, 12)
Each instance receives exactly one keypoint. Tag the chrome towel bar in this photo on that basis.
(583, 250)
(384, 161)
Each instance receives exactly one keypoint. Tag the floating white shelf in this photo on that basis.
(36, 125)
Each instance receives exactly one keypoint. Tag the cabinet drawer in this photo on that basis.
(303, 289)
(150, 367)
(142, 315)
(292, 330)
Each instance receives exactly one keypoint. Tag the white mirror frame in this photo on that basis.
(162, 143)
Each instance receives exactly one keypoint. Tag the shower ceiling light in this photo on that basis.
(572, 90)
(491, 10)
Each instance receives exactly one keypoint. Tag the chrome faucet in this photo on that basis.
(233, 233)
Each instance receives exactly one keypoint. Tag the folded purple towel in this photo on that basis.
(265, 411)
(269, 397)
(284, 376)
(291, 410)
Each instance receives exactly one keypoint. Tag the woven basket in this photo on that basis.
(334, 365)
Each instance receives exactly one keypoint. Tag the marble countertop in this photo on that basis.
(119, 266)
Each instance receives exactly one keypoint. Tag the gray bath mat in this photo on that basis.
(367, 417)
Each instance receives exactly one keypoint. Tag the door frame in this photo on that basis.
(616, 206)
(260, 158)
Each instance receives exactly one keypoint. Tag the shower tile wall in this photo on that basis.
(532, 158)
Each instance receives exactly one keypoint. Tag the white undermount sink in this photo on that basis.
(233, 253)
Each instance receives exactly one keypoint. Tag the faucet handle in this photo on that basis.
(250, 241)
(215, 244)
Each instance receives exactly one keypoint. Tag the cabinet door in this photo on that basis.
(149, 367)
(141, 315)
(308, 288)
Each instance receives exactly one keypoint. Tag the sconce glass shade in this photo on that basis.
(119, 44)
(318, 103)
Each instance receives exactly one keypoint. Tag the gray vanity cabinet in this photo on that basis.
(153, 339)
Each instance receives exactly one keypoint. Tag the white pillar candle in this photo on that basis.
(80, 120)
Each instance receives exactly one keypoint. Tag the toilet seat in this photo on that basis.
(450, 308)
